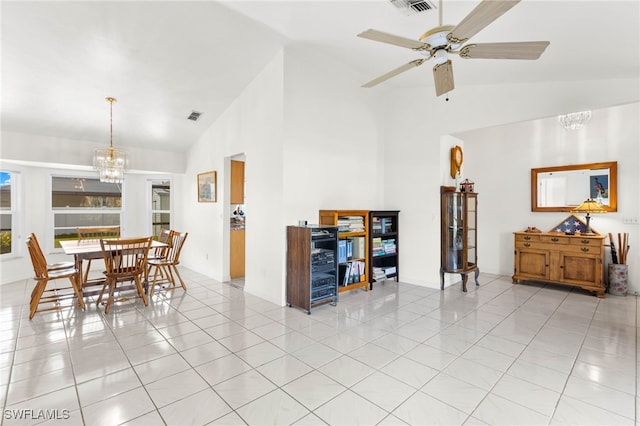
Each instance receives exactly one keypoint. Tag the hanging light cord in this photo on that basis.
(111, 101)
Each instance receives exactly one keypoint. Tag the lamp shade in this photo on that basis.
(589, 206)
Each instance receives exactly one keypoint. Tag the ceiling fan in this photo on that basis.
(444, 40)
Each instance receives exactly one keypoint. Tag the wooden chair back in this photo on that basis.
(176, 241)
(50, 266)
(38, 260)
(125, 258)
(98, 232)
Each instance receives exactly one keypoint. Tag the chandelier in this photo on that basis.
(110, 162)
(575, 120)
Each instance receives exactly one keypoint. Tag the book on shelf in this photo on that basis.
(358, 247)
(376, 246)
(389, 246)
(351, 224)
(382, 225)
(378, 274)
(351, 272)
(342, 251)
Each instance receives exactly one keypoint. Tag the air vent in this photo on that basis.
(194, 115)
(410, 7)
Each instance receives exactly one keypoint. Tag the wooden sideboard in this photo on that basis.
(575, 260)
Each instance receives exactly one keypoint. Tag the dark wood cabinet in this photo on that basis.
(384, 245)
(458, 234)
(312, 266)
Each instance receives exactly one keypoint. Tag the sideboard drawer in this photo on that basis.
(555, 239)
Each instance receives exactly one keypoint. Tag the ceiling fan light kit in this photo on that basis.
(444, 40)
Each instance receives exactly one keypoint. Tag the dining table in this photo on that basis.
(82, 250)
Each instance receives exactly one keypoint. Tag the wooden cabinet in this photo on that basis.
(353, 246)
(237, 182)
(236, 253)
(312, 266)
(458, 234)
(384, 245)
(559, 258)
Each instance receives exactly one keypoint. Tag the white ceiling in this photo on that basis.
(162, 60)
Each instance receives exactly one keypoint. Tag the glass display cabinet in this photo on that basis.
(458, 234)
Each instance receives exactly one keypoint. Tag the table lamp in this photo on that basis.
(589, 206)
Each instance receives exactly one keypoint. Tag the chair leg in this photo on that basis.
(36, 295)
(104, 286)
(112, 288)
(78, 291)
(86, 272)
(175, 269)
(140, 290)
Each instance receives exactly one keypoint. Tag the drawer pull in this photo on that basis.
(585, 249)
(527, 245)
(585, 241)
(555, 239)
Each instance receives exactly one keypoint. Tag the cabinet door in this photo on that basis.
(471, 229)
(580, 269)
(237, 182)
(533, 264)
(453, 230)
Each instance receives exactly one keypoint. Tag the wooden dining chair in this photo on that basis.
(165, 270)
(95, 233)
(125, 261)
(45, 273)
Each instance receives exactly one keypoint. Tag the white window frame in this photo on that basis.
(52, 211)
(150, 210)
(16, 204)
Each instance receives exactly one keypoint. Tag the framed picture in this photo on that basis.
(599, 187)
(207, 192)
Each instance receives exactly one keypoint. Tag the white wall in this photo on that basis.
(416, 160)
(611, 135)
(310, 142)
(252, 126)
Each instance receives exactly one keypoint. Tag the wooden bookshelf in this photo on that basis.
(384, 245)
(348, 230)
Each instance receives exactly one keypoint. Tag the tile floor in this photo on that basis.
(400, 354)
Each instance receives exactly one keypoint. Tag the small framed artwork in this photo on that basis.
(207, 192)
(599, 187)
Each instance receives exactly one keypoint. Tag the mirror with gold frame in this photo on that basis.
(563, 188)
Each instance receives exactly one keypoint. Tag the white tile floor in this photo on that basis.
(500, 354)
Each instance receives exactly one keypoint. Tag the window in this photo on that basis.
(160, 206)
(8, 205)
(79, 201)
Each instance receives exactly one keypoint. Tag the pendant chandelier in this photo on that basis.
(575, 120)
(110, 162)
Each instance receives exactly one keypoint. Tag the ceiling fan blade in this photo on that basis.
(383, 37)
(443, 76)
(516, 50)
(484, 13)
(393, 73)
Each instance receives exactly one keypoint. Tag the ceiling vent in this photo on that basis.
(411, 7)
(194, 115)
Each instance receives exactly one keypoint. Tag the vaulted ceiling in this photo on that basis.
(163, 60)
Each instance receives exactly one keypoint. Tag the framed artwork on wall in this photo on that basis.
(207, 191)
